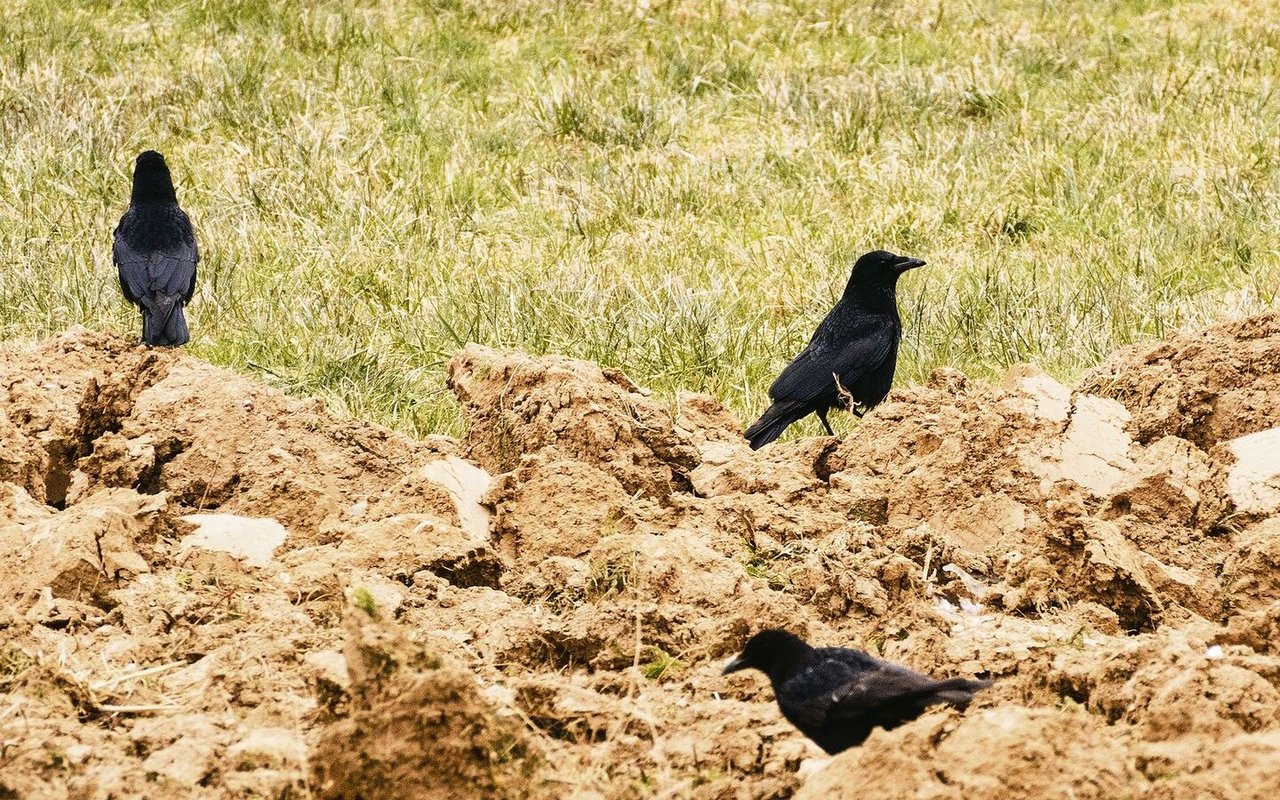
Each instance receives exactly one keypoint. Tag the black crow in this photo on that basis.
(155, 253)
(836, 696)
(850, 359)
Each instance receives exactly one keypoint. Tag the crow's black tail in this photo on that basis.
(163, 322)
(958, 691)
(773, 422)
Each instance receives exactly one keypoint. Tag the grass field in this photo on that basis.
(677, 189)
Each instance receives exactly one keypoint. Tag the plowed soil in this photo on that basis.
(213, 590)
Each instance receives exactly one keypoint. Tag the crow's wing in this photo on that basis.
(171, 271)
(884, 685)
(195, 259)
(840, 691)
(132, 268)
(862, 346)
(808, 696)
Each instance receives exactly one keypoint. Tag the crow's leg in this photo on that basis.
(822, 415)
(858, 411)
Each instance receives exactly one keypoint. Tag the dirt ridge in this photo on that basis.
(540, 608)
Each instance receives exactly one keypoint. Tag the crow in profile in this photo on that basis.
(836, 696)
(850, 359)
(155, 253)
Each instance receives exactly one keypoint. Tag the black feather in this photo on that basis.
(776, 419)
(155, 253)
(856, 345)
(836, 696)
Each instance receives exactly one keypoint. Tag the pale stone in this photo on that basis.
(269, 748)
(467, 483)
(1254, 480)
(253, 540)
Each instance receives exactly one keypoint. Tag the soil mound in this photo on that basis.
(414, 726)
(567, 410)
(215, 590)
(1208, 387)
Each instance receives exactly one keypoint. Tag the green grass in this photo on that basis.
(675, 188)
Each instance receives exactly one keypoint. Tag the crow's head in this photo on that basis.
(771, 651)
(151, 179)
(881, 268)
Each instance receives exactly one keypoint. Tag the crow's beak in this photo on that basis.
(738, 663)
(909, 263)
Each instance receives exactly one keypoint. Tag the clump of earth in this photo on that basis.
(213, 590)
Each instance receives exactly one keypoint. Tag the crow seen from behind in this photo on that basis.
(850, 359)
(155, 253)
(837, 696)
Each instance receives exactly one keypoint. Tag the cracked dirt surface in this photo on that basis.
(542, 608)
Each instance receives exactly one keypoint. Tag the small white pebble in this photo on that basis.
(811, 765)
(1213, 652)
(77, 753)
(499, 695)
